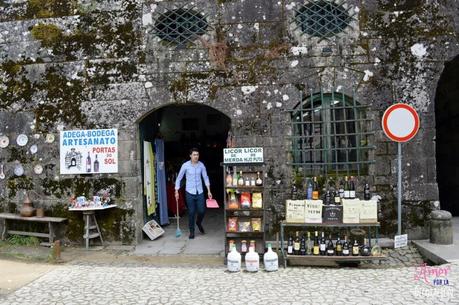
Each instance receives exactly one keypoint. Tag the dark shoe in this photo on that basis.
(201, 229)
(191, 236)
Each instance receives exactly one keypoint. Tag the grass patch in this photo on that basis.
(17, 240)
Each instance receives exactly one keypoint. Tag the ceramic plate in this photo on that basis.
(38, 169)
(19, 170)
(4, 141)
(22, 140)
(49, 138)
(33, 149)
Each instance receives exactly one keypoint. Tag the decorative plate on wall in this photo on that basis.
(22, 140)
(4, 141)
(49, 138)
(33, 149)
(18, 170)
(38, 169)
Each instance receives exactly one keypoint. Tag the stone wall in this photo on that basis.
(97, 64)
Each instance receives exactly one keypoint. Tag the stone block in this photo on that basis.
(441, 228)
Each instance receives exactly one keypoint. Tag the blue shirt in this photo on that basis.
(193, 172)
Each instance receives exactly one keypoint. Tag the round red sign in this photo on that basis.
(400, 122)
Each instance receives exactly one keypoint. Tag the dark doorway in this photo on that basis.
(185, 126)
(447, 136)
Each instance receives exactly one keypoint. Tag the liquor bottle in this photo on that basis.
(366, 251)
(347, 189)
(316, 247)
(290, 245)
(337, 197)
(88, 163)
(338, 247)
(96, 165)
(309, 189)
(341, 190)
(240, 180)
(328, 197)
(322, 245)
(247, 181)
(243, 246)
(296, 245)
(366, 192)
(330, 247)
(345, 247)
(355, 248)
(308, 244)
(303, 245)
(258, 182)
(315, 191)
(352, 188)
(229, 178)
(234, 177)
(252, 181)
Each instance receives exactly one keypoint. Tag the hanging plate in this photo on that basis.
(2, 173)
(19, 170)
(22, 140)
(4, 141)
(38, 169)
(49, 138)
(33, 149)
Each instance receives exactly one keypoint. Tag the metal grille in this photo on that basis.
(331, 135)
(180, 26)
(322, 18)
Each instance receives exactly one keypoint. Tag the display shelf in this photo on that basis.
(245, 188)
(330, 225)
(323, 260)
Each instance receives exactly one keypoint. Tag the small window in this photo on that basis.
(322, 18)
(180, 26)
(331, 135)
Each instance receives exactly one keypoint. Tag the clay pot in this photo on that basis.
(40, 212)
(27, 210)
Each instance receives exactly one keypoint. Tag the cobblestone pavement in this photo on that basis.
(142, 284)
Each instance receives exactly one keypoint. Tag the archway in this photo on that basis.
(173, 130)
(447, 136)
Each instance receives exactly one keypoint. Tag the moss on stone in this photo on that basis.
(16, 184)
(48, 34)
(49, 8)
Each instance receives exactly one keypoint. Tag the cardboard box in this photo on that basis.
(368, 211)
(351, 210)
(313, 211)
(332, 214)
(294, 211)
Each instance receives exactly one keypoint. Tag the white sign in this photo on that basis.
(400, 241)
(89, 151)
(400, 122)
(243, 155)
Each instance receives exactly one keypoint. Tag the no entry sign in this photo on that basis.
(400, 122)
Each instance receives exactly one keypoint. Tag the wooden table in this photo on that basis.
(90, 222)
(4, 217)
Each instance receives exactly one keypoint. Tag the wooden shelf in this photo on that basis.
(239, 234)
(330, 225)
(245, 188)
(323, 260)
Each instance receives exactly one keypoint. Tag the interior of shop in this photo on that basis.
(173, 130)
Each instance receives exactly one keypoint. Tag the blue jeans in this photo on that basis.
(195, 203)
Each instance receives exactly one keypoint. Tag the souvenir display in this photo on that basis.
(232, 224)
(257, 202)
(232, 201)
(256, 224)
(4, 141)
(22, 140)
(245, 200)
(244, 226)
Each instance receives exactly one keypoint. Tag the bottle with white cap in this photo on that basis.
(270, 260)
(233, 260)
(252, 260)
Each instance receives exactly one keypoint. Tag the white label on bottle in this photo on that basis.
(330, 251)
(234, 266)
(271, 264)
(322, 247)
(352, 194)
(347, 194)
(289, 249)
(345, 251)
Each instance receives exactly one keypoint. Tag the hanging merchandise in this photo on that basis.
(33, 149)
(149, 177)
(4, 141)
(22, 140)
(252, 260)
(161, 182)
(270, 260)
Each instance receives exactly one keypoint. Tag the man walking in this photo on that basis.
(193, 170)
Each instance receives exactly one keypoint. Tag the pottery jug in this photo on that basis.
(27, 210)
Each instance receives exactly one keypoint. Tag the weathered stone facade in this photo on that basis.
(98, 64)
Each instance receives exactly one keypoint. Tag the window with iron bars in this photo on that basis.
(332, 136)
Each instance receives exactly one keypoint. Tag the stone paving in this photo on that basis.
(141, 284)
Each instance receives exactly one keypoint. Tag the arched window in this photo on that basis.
(331, 135)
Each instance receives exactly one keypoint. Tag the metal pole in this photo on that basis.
(399, 189)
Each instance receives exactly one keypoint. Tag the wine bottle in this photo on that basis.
(315, 191)
(345, 247)
(296, 245)
(316, 247)
(341, 190)
(355, 248)
(88, 164)
(234, 177)
(366, 192)
(330, 247)
(290, 245)
(96, 165)
(347, 189)
(247, 181)
(309, 189)
(322, 245)
(337, 197)
(303, 245)
(308, 244)
(366, 251)
(229, 178)
(352, 188)
(339, 247)
(328, 197)
(240, 180)
(252, 181)
(258, 182)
